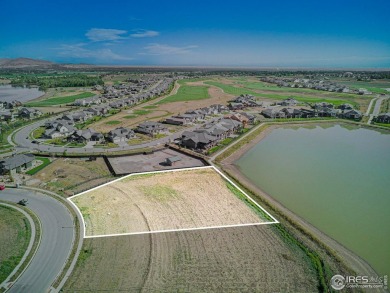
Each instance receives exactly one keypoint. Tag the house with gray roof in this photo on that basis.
(120, 134)
(86, 135)
(383, 118)
(151, 128)
(16, 163)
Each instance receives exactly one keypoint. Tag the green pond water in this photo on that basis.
(337, 177)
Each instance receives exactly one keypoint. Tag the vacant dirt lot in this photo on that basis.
(68, 176)
(163, 201)
(239, 259)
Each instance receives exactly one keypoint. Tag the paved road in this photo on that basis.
(56, 243)
(377, 108)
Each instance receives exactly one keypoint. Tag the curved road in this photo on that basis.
(58, 234)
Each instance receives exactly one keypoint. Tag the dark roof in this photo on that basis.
(16, 161)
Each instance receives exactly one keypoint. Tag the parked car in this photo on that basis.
(2, 187)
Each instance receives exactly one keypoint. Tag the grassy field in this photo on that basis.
(113, 122)
(286, 92)
(163, 201)
(60, 100)
(15, 233)
(240, 259)
(45, 162)
(187, 93)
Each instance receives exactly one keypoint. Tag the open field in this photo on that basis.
(187, 92)
(260, 90)
(71, 175)
(163, 201)
(239, 259)
(60, 100)
(14, 238)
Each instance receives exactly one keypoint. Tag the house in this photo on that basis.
(198, 140)
(171, 161)
(252, 119)
(58, 128)
(352, 114)
(197, 114)
(151, 128)
(243, 119)
(236, 106)
(29, 113)
(291, 113)
(16, 163)
(7, 115)
(383, 118)
(288, 102)
(176, 121)
(306, 113)
(322, 105)
(345, 107)
(120, 134)
(80, 116)
(273, 113)
(86, 135)
(325, 112)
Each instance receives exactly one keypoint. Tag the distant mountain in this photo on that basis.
(24, 62)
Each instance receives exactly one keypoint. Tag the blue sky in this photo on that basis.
(210, 33)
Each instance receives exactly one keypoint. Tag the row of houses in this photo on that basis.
(123, 96)
(316, 84)
(309, 113)
(20, 113)
(192, 116)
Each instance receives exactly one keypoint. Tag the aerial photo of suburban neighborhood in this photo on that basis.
(194, 147)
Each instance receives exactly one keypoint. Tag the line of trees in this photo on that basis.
(74, 80)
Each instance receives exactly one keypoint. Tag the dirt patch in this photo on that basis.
(163, 201)
(152, 162)
(241, 259)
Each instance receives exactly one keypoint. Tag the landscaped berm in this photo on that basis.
(179, 199)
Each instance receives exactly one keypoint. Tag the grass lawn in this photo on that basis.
(37, 133)
(187, 93)
(141, 112)
(150, 107)
(15, 236)
(130, 116)
(113, 122)
(60, 100)
(45, 162)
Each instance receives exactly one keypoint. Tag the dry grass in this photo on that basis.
(163, 201)
(241, 259)
(72, 175)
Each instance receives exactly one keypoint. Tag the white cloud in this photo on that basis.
(144, 34)
(162, 49)
(103, 34)
(79, 51)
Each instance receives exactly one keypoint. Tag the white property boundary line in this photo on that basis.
(174, 230)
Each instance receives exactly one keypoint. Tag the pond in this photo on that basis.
(336, 177)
